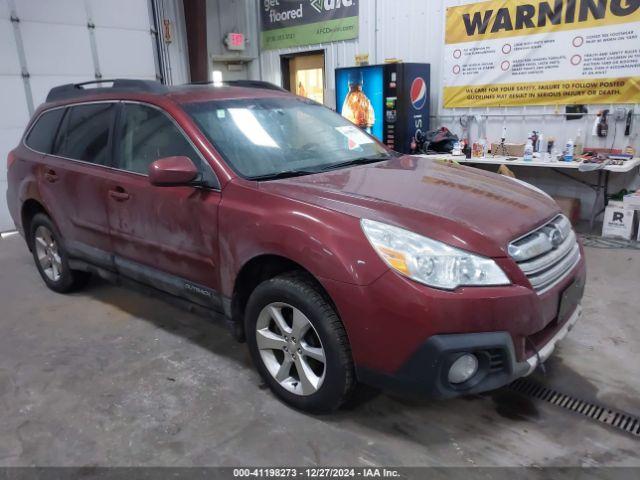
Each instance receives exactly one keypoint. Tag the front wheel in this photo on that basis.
(299, 344)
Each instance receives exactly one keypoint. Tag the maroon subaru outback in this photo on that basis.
(338, 260)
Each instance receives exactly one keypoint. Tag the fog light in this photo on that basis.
(463, 368)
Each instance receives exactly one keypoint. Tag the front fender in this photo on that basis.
(328, 244)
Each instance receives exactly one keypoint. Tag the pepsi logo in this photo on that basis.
(418, 93)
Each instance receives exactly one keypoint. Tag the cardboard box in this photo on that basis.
(632, 201)
(570, 207)
(509, 149)
(619, 222)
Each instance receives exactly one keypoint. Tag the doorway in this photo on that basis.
(303, 74)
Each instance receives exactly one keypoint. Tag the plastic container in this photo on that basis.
(577, 148)
(568, 151)
(528, 151)
(542, 148)
(483, 147)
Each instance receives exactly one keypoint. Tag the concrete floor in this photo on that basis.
(110, 377)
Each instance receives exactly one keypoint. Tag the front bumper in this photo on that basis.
(545, 352)
(426, 372)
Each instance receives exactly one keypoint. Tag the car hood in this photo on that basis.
(466, 207)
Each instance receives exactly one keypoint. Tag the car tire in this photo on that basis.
(324, 385)
(51, 258)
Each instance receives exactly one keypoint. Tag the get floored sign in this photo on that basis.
(507, 53)
(289, 23)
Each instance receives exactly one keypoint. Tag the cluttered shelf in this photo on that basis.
(624, 166)
(538, 151)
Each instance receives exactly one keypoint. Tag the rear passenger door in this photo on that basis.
(72, 179)
(165, 236)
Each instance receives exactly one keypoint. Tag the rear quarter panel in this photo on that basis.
(22, 183)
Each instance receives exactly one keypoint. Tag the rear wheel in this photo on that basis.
(299, 344)
(51, 259)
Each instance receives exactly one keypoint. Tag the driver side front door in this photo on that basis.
(163, 236)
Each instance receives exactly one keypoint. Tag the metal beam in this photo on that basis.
(22, 58)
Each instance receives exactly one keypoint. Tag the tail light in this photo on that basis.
(11, 159)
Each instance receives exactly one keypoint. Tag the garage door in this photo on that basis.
(64, 41)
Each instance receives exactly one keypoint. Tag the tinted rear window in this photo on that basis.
(41, 136)
(84, 134)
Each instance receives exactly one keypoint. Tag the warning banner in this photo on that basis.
(510, 53)
(624, 90)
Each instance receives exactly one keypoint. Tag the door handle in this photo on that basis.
(119, 194)
(50, 176)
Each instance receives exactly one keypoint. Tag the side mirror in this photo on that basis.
(172, 171)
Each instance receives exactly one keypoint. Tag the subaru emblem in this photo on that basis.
(555, 236)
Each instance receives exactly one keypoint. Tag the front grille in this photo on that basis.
(547, 254)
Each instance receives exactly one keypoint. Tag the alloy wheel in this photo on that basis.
(47, 253)
(290, 348)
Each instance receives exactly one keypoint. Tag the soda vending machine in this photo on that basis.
(389, 101)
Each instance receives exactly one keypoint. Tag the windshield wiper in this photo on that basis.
(325, 168)
(357, 161)
(285, 174)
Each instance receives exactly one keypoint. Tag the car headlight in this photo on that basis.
(428, 261)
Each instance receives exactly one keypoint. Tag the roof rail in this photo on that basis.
(245, 84)
(73, 90)
(254, 84)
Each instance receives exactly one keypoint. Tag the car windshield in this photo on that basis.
(268, 138)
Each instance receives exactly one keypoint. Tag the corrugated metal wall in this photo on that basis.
(412, 30)
(406, 29)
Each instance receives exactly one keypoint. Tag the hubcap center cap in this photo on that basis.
(292, 347)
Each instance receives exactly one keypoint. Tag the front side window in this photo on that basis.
(41, 136)
(84, 133)
(267, 137)
(145, 135)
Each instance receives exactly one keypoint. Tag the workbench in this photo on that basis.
(601, 187)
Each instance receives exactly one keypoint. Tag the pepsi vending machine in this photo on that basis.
(389, 101)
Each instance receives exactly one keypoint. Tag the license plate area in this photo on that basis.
(569, 300)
